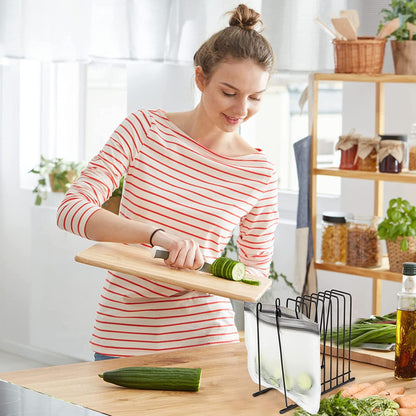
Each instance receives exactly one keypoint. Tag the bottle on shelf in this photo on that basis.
(334, 237)
(411, 155)
(348, 145)
(405, 355)
(367, 153)
(363, 243)
(392, 152)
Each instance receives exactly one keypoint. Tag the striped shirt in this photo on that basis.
(173, 182)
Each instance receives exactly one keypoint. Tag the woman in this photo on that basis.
(190, 179)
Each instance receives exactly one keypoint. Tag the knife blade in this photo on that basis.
(161, 253)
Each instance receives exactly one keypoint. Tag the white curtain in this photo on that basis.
(83, 30)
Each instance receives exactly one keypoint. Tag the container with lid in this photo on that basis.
(348, 145)
(367, 153)
(411, 155)
(334, 237)
(392, 153)
(405, 354)
(363, 243)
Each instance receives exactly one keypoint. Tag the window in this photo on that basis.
(281, 122)
(67, 110)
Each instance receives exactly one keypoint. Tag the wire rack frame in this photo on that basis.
(332, 310)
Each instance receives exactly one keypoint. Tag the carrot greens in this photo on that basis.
(345, 406)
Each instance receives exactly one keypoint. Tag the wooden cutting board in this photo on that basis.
(380, 358)
(137, 261)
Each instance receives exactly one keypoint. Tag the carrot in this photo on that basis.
(353, 389)
(371, 390)
(402, 411)
(393, 391)
(407, 401)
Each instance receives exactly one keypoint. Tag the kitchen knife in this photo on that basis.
(161, 253)
(377, 347)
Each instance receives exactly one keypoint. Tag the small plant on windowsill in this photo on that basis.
(113, 203)
(231, 247)
(60, 174)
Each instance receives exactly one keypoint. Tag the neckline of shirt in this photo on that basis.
(174, 127)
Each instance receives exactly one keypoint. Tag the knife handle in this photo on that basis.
(159, 253)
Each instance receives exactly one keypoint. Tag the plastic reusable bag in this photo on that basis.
(300, 351)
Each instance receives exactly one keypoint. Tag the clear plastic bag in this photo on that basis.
(300, 351)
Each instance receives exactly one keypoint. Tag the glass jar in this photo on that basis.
(367, 153)
(363, 243)
(334, 237)
(392, 153)
(411, 155)
(348, 145)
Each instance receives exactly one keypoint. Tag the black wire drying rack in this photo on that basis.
(332, 310)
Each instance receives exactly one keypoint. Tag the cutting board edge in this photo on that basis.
(85, 257)
(380, 359)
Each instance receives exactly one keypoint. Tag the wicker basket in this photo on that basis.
(397, 257)
(362, 56)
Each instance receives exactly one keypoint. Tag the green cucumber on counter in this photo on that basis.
(155, 378)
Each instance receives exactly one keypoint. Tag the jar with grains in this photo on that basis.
(411, 156)
(348, 145)
(334, 237)
(363, 243)
(392, 153)
(367, 153)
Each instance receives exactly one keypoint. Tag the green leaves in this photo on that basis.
(405, 10)
(400, 221)
(337, 405)
(61, 172)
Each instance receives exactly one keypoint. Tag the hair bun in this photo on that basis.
(245, 18)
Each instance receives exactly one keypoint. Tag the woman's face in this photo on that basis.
(233, 92)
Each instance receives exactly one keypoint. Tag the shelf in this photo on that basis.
(377, 78)
(382, 272)
(379, 178)
(404, 177)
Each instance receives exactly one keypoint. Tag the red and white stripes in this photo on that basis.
(173, 182)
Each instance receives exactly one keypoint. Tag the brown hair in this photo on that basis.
(240, 40)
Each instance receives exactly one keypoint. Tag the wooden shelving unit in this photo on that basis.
(377, 274)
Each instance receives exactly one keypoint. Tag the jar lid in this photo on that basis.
(335, 217)
(401, 137)
(409, 269)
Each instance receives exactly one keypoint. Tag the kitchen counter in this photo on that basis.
(226, 387)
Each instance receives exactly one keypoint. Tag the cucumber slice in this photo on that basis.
(228, 269)
(249, 281)
(238, 271)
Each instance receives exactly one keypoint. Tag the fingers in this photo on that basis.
(185, 254)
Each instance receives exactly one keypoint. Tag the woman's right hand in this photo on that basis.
(183, 253)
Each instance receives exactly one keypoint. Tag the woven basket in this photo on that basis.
(397, 257)
(362, 56)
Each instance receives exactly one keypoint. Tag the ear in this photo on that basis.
(200, 78)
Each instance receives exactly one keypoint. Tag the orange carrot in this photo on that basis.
(371, 390)
(392, 391)
(406, 411)
(353, 389)
(407, 401)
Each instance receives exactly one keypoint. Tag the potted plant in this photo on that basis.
(113, 203)
(398, 228)
(404, 45)
(60, 174)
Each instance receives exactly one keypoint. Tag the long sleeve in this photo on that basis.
(102, 175)
(257, 230)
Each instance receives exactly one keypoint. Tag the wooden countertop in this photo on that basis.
(226, 387)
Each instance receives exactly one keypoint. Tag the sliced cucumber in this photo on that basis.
(250, 281)
(228, 269)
